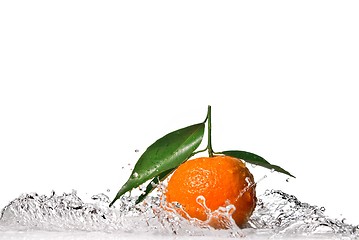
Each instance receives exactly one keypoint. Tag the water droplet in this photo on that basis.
(108, 190)
(136, 150)
(135, 175)
(272, 170)
(249, 181)
(201, 199)
(177, 204)
(253, 165)
(287, 180)
(143, 187)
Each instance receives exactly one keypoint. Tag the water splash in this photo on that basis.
(68, 212)
(285, 214)
(277, 213)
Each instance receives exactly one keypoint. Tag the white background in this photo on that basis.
(83, 84)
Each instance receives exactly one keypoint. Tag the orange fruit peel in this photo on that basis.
(211, 183)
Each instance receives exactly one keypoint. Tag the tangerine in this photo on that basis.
(220, 180)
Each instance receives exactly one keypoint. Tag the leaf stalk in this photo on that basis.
(209, 130)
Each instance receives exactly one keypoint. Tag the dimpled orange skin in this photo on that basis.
(220, 179)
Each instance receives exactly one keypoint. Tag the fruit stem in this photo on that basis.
(209, 145)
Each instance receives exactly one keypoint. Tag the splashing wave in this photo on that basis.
(277, 213)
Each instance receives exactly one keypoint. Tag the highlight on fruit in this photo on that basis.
(220, 179)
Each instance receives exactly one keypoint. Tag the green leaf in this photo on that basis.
(255, 159)
(166, 153)
(152, 185)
